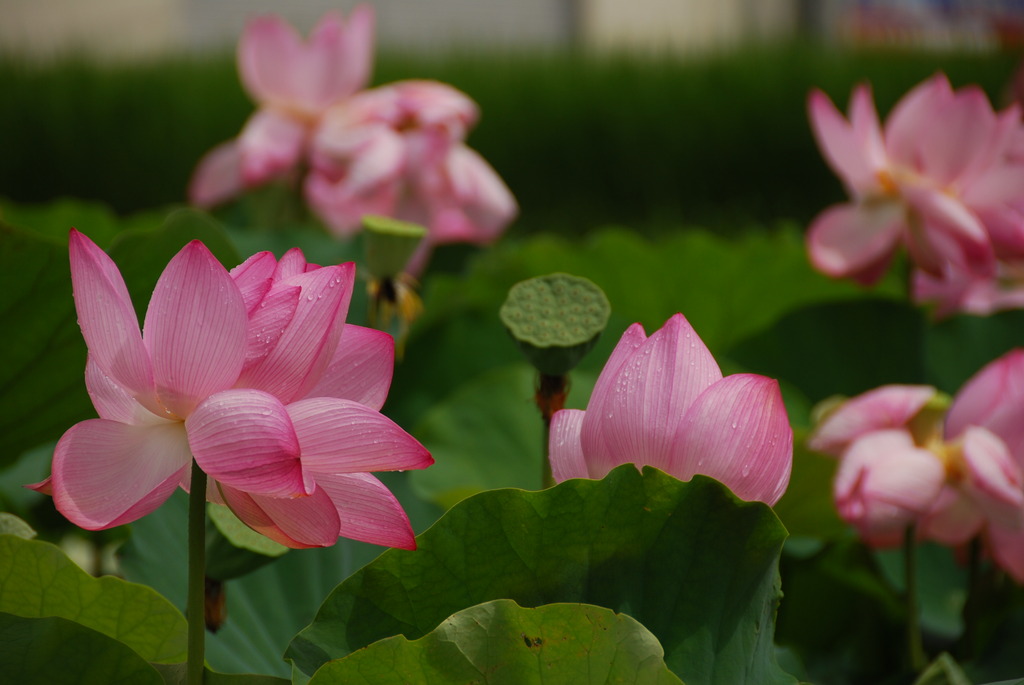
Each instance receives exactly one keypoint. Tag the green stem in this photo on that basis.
(915, 647)
(196, 575)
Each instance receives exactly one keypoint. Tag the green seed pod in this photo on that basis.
(389, 244)
(555, 320)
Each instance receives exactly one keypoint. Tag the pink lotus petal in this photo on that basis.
(1007, 548)
(112, 401)
(292, 263)
(269, 55)
(564, 449)
(868, 132)
(108, 321)
(195, 329)
(993, 478)
(368, 511)
(270, 146)
(891, 406)
(885, 483)
(44, 486)
(953, 520)
(340, 56)
(298, 360)
(946, 158)
(218, 176)
(245, 439)
(911, 121)
(840, 144)
(107, 473)
(253, 277)
(855, 240)
(341, 436)
(737, 431)
(480, 204)
(298, 523)
(951, 234)
(360, 369)
(635, 409)
(994, 399)
(268, 322)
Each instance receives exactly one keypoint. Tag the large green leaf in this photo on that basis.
(57, 651)
(38, 580)
(691, 562)
(266, 607)
(501, 642)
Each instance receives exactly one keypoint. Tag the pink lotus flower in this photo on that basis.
(398, 151)
(956, 292)
(662, 401)
(293, 83)
(941, 178)
(252, 373)
(899, 467)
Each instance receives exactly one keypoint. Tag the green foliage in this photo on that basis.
(720, 141)
(56, 650)
(692, 563)
(37, 580)
(570, 644)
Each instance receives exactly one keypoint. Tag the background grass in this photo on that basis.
(720, 141)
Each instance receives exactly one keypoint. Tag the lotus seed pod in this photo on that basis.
(389, 244)
(555, 320)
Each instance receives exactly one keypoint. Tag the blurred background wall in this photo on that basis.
(134, 28)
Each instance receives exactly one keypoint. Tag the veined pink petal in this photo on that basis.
(195, 329)
(633, 416)
(891, 406)
(298, 360)
(270, 146)
(292, 263)
(367, 510)
(909, 125)
(108, 321)
(268, 322)
(994, 399)
(245, 439)
(298, 523)
(107, 473)
(564, 449)
(885, 483)
(993, 478)
(112, 401)
(342, 436)
(218, 176)
(360, 369)
(254, 277)
(737, 431)
(855, 239)
(842, 147)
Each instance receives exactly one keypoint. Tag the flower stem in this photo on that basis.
(196, 575)
(550, 397)
(915, 647)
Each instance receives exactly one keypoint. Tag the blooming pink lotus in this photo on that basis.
(899, 466)
(662, 401)
(941, 178)
(398, 151)
(293, 83)
(255, 374)
(956, 292)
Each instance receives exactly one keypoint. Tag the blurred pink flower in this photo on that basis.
(293, 83)
(662, 401)
(941, 178)
(900, 465)
(955, 292)
(252, 373)
(398, 151)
